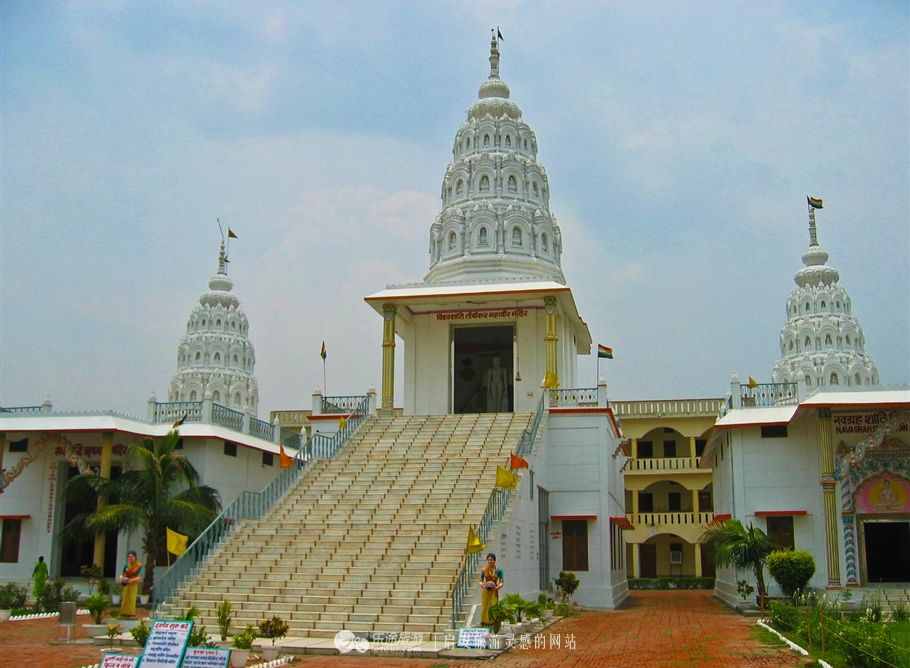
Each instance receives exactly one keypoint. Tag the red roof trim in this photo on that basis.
(779, 513)
(15, 517)
(573, 517)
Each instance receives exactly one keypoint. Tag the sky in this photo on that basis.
(680, 140)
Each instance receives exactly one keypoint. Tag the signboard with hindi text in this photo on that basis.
(166, 644)
(473, 638)
(120, 661)
(206, 657)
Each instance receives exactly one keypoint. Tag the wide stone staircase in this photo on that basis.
(369, 541)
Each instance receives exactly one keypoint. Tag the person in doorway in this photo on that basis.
(39, 578)
(131, 579)
(491, 581)
(497, 390)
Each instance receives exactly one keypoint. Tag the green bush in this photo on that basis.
(516, 606)
(567, 583)
(273, 628)
(244, 639)
(141, 632)
(866, 645)
(784, 617)
(225, 616)
(12, 596)
(96, 604)
(54, 593)
(672, 583)
(497, 614)
(563, 610)
(791, 568)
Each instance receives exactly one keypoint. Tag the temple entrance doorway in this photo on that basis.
(887, 549)
(482, 369)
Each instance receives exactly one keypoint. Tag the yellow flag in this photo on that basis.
(474, 543)
(176, 542)
(752, 384)
(342, 423)
(506, 478)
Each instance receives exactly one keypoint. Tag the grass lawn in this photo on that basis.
(899, 634)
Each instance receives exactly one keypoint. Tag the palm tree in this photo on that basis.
(162, 492)
(738, 546)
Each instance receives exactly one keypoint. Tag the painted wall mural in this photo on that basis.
(885, 493)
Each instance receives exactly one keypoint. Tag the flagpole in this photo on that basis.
(324, 389)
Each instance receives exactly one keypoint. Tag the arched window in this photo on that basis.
(459, 187)
(823, 303)
(837, 305)
(203, 322)
(543, 242)
(791, 345)
(848, 339)
(484, 183)
(482, 237)
(857, 379)
(486, 140)
(217, 357)
(235, 359)
(453, 238)
(237, 398)
(193, 395)
(535, 189)
(808, 343)
(833, 380)
(808, 380)
(807, 307)
(233, 325)
(508, 141)
(516, 236)
(828, 341)
(218, 322)
(513, 184)
(216, 396)
(198, 356)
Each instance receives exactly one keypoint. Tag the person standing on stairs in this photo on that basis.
(491, 581)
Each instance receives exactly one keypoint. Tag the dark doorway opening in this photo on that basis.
(887, 551)
(647, 560)
(79, 551)
(482, 375)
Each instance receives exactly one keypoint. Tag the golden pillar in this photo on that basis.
(696, 509)
(829, 486)
(388, 357)
(692, 448)
(634, 450)
(698, 560)
(551, 379)
(635, 545)
(107, 451)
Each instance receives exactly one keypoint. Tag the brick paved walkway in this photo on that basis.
(655, 629)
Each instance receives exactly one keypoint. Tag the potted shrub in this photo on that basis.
(515, 606)
(498, 613)
(792, 569)
(116, 593)
(141, 632)
(273, 629)
(12, 596)
(96, 604)
(566, 583)
(224, 615)
(243, 643)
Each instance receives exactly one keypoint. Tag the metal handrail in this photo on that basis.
(340, 404)
(254, 505)
(173, 410)
(574, 396)
(227, 417)
(262, 429)
(494, 512)
(767, 395)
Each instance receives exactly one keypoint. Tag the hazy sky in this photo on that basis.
(680, 140)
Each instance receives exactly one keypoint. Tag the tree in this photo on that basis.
(162, 492)
(735, 545)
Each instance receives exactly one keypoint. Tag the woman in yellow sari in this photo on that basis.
(491, 581)
(131, 580)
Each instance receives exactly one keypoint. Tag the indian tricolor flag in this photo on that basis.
(605, 352)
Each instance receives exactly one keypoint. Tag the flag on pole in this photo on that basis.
(231, 234)
(499, 34)
(284, 459)
(815, 202)
(605, 352)
(322, 352)
(475, 545)
(517, 461)
(176, 542)
(752, 384)
(505, 478)
(342, 423)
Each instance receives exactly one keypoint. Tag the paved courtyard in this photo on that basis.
(666, 629)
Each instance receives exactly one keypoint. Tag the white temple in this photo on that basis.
(215, 360)
(822, 343)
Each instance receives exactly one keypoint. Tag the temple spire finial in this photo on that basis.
(813, 203)
(495, 36)
(222, 259)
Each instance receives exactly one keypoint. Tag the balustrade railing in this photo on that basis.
(254, 505)
(262, 429)
(227, 417)
(574, 396)
(25, 410)
(662, 464)
(668, 408)
(494, 512)
(671, 519)
(172, 411)
(764, 395)
(340, 404)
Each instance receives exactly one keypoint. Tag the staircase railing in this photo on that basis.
(255, 505)
(495, 510)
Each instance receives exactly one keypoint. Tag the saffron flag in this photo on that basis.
(752, 384)
(814, 202)
(322, 352)
(506, 478)
(517, 461)
(231, 234)
(284, 459)
(342, 423)
(475, 545)
(604, 352)
(176, 542)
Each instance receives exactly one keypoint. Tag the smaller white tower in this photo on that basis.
(822, 343)
(215, 360)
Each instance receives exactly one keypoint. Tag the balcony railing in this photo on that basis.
(576, 396)
(663, 464)
(766, 395)
(171, 411)
(210, 412)
(262, 429)
(23, 411)
(671, 519)
(341, 404)
(668, 408)
(227, 417)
